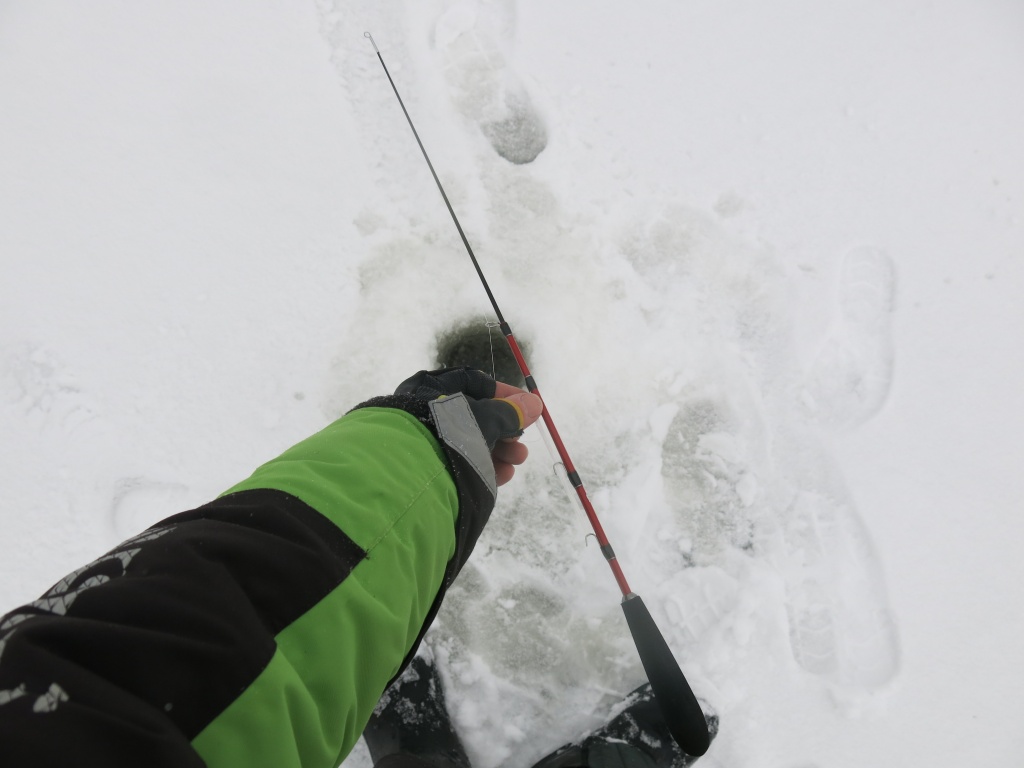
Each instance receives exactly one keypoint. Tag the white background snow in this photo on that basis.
(769, 263)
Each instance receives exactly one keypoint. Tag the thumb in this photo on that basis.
(505, 417)
(527, 405)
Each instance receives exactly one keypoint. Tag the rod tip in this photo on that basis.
(369, 37)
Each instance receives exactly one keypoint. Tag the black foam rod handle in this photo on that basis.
(679, 707)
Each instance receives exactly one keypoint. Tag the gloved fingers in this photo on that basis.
(476, 384)
(502, 418)
(529, 406)
(497, 419)
(448, 381)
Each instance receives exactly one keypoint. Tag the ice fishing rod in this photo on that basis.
(675, 698)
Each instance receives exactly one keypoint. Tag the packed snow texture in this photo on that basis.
(767, 258)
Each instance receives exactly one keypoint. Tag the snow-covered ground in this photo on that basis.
(767, 256)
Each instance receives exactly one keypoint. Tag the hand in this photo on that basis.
(501, 411)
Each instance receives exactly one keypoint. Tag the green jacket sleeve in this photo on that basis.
(380, 477)
(260, 629)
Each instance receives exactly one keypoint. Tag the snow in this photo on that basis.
(768, 262)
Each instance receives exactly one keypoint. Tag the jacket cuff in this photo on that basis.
(417, 406)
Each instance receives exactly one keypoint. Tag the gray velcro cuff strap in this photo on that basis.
(457, 428)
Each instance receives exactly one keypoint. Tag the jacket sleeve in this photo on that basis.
(260, 629)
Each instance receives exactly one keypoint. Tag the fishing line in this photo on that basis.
(675, 698)
(490, 342)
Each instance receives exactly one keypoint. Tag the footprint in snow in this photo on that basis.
(469, 38)
(782, 502)
(742, 467)
(850, 379)
(708, 479)
(37, 382)
(139, 503)
(840, 626)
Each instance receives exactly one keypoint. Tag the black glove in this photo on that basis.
(497, 419)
